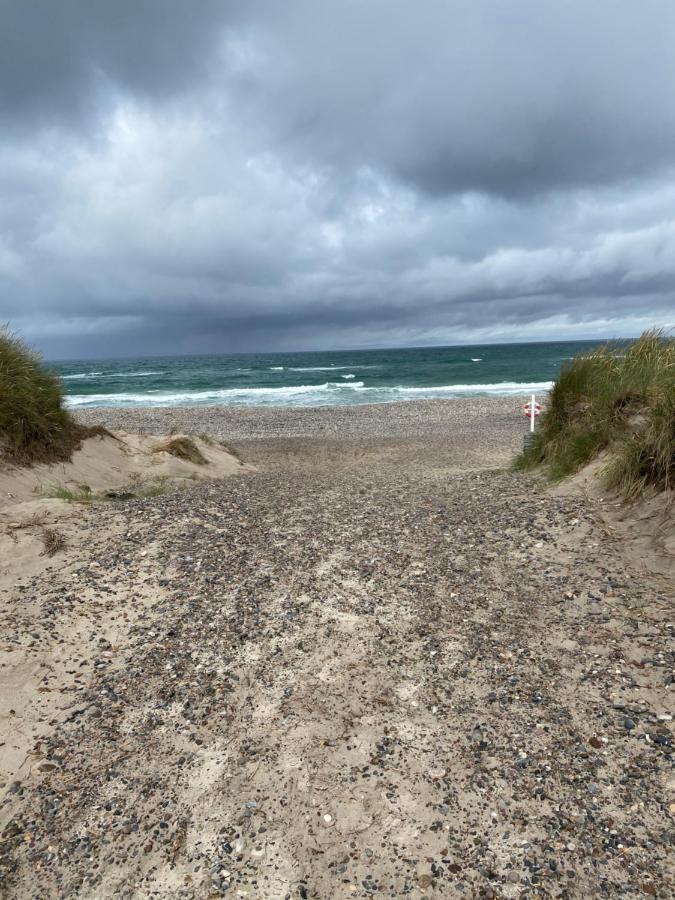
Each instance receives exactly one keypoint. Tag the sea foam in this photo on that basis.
(109, 375)
(330, 393)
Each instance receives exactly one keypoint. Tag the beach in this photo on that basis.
(373, 662)
(459, 433)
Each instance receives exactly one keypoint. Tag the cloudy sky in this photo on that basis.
(210, 175)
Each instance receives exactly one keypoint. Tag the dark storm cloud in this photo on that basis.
(60, 58)
(225, 175)
(500, 97)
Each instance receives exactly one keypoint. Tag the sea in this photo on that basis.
(316, 378)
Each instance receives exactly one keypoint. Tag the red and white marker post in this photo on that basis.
(532, 409)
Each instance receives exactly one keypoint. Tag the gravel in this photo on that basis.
(415, 419)
(374, 667)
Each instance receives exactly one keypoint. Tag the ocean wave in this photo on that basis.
(110, 375)
(276, 368)
(81, 375)
(132, 374)
(326, 368)
(477, 359)
(500, 388)
(330, 394)
(351, 375)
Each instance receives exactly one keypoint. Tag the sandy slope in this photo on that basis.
(114, 461)
(118, 463)
(346, 679)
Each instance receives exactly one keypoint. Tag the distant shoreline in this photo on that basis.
(477, 401)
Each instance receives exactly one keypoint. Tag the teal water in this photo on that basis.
(316, 378)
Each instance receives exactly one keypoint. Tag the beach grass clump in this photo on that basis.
(183, 448)
(135, 490)
(82, 494)
(621, 399)
(34, 425)
(52, 541)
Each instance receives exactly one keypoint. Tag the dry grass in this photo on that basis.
(52, 541)
(618, 398)
(183, 448)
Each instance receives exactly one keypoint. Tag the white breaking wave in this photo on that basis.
(351, 375)
(328, 394)
(276, 368)
(110, 375)
(82, 375)
(327, 368)
(479, 359)
(316, 368)
(131, 374)
(501, 388)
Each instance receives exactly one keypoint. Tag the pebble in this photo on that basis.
(355, 583)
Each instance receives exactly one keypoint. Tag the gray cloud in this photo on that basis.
(223, 176)
(61, 62)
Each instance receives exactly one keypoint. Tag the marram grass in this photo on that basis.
(34, 426)
(620, 398)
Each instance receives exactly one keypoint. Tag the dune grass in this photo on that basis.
(619, 398)
(135, 490)
(34, 426)
(183, 448)
(83, 494)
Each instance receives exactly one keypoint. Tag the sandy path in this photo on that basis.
(350, 681)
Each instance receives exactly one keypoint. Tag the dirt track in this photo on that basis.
(347, 679)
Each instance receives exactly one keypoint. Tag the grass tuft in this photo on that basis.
(58, 492)
(618, 398)
(136, 490)
(52, 541)
(34, 426)
(183, 448)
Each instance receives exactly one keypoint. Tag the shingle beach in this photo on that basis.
(379, 665)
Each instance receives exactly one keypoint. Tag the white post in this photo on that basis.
(534, 400)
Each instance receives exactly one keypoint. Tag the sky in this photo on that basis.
(205, 176)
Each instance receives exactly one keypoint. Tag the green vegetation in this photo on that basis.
(136, 490)
(59, 492)
(34, 426)
(620, 398)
